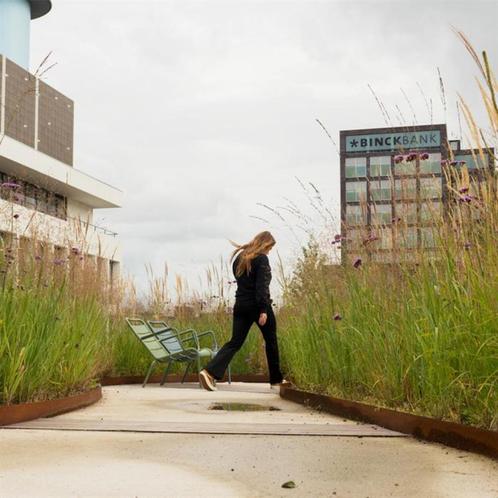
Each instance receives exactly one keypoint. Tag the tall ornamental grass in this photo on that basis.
(419, 334)
(53, 336)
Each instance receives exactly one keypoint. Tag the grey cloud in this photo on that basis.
(199, 110)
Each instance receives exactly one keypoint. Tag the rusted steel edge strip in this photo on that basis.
(138, 379)
(452, 434)
(22, 412)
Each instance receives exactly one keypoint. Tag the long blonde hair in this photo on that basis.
(260, 244)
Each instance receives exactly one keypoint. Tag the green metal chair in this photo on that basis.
(161, 326)
(167, 346)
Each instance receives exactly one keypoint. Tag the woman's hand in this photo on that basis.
(262, 319)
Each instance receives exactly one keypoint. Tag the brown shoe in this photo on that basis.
(207, 381)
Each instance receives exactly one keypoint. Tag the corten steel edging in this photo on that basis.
(154, 379)
(452, 434)
(23, 412)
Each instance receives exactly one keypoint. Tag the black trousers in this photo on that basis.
(243, 318)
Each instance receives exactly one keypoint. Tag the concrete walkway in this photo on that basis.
(167, 442)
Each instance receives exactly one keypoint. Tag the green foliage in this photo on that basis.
(419, 336)
(52, 343)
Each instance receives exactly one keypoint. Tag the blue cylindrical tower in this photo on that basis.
(15, 18)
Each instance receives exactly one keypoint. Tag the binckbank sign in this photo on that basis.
(393, 141)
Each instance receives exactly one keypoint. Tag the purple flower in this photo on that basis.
(75, 251)
(465, 198)
(337, 317)
(38, 258)
(445, 162)
(424, 156)
(454, 163)
(338, 239)
(411, 157)
(357, 262)
(10, 185)
(371, 238)
(463, 190)
(462, 163)
(59, 262)
(398, 159)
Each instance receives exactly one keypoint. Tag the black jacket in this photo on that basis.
(253, 289)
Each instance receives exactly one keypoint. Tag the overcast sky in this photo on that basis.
(201, 110)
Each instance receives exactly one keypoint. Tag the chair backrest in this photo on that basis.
(153, 344)
(167, 336)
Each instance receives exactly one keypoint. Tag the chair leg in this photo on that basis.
(229, 374)
(186, 371)
(149, 372)
(165, 374)
(199, 369)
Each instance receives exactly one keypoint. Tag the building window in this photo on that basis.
(384, 239)
(380, 190)
(405, 168)
(356, 191)
(431, 188)
(431, 165)
(60, 206)
(33, 197)
(427, 237)
(406, 212)
(471, 161)
(406, 189)
(41, 200)
(381, 214)
(407, 237)
(380, 166)
(356, 215)
(354, 238)
(356, 167)
(430, 212)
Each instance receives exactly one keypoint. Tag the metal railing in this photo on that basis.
(97, 228)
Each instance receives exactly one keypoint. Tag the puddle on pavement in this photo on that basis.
(243, 407)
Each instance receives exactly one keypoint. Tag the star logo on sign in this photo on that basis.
(354, 143)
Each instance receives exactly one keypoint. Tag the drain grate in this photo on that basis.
(243, 407)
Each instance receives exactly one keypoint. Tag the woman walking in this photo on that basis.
(252, 304)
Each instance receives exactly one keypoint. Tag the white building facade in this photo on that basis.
(42, 195)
